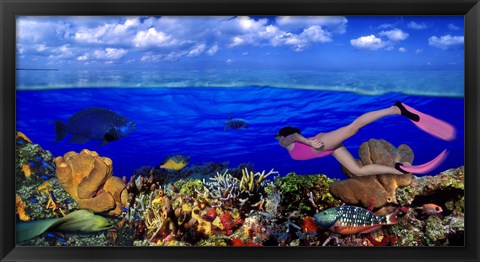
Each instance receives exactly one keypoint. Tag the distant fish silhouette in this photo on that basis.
(176, 162)
(95, 123)
(235, 123)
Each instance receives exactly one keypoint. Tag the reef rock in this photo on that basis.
(445, 229)
(360, 190)
(87, 177)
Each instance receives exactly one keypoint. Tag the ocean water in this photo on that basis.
(184, 113)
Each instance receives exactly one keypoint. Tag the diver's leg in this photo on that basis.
(346, 159)
(334, 138)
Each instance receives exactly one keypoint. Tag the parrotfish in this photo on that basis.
(349, 220)
(176, 162)
(235, 123)
(95, 123)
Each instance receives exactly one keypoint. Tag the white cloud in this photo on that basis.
(316, 34)
(370, 42)
(167, 37)
(40, 48)
(229, 61)
(62, 52)
(445, 42)
(389, 48)
(82, 58)
(402, 49)
(152, 37)
(385, 26)
(114, 32)
(151, 58)
(453, 27)
(197, 50)
(419, 51)
(395, 35)
(109, 54)
(103, 54)
(213, 50)
(335, 24)
(415, 25)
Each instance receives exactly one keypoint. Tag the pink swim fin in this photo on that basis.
(427, 123)
(425, 168)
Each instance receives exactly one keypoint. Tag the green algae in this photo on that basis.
(187, 187)
(296, 189)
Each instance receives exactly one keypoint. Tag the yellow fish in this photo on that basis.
(176, 162)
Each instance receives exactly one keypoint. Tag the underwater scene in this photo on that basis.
(240, 131)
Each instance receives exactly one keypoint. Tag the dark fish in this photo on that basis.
(33, 200)
(95, 123)
(349, 220)
(235, 123)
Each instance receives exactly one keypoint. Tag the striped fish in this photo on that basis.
(349, 220)
(235, 123)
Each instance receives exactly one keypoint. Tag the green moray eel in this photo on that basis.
(79, 221)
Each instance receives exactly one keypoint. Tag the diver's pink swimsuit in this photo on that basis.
(301, 151)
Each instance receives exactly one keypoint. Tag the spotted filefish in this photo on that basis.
(95, 123)
(235, 123)
(349, 220)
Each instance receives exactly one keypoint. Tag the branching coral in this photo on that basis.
(249, 183)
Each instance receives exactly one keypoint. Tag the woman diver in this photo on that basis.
(323, 144)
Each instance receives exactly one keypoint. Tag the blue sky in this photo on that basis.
(310, 43)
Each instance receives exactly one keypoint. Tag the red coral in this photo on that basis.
(229, 223)
(309, 225)
(211, 214)
(237, 242)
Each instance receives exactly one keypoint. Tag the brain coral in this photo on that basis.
(88, 178)
(360, 190)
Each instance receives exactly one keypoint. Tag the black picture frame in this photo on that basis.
(9, 9)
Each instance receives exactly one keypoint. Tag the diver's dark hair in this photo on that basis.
(288, 130)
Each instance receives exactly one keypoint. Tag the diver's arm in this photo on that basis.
(313, 142)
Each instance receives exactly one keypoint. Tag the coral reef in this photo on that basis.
(215, 205)
(83, 176)
(445, 190)
(299, 191)
(360, 190)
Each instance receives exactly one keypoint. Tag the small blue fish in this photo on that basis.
(51, 235)
(38, 158)
(136, 216)
(21, 142)
(53, 196)
(61, 240)
(31, 163)
(235, 123)
(33, 200)
(45, 177)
